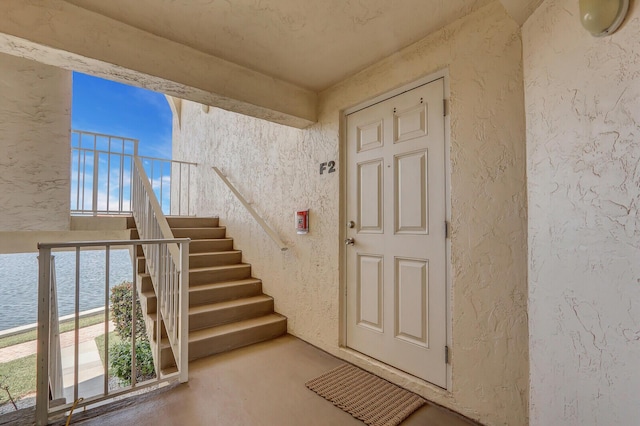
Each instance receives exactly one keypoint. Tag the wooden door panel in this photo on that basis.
(410, 123)
(412, 303)
(370, 292)
(411, 194)
(370, 136)
(370, 196)
(396, 268)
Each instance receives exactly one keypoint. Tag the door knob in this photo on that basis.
(349, 241)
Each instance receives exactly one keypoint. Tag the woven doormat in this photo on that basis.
(365, 396)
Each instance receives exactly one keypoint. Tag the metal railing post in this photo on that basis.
(134, 318)
(44, 298)
(94, 206)
(184, 313)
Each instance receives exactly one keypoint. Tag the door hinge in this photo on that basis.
(447, 229)
(446, 354)
(445, 109)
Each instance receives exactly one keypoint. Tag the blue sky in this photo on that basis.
(104, 106)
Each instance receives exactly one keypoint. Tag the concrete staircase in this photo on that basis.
(227, 308)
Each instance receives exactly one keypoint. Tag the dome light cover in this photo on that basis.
(602, 17)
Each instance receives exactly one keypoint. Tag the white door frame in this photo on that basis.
(444, 74)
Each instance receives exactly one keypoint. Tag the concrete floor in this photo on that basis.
(262, 384)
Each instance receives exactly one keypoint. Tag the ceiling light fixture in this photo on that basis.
(602, 17)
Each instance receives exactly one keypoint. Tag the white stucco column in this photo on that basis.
(582, 98)
(35, 120)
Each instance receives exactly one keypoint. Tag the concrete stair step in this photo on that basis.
(210, 245)
(172, 369)
(149, 301)
(223, 291)
(200, 276)
(141, 262)
(227, 337)
(216, 274)
(152, 317)
(200, 233)
(236, 335)
(205, 245)
(201, 260)
(206, 293)
(215, 314)
(144, 283)
(192, 222)
(227, 308)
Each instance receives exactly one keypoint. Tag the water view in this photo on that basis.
(19, 283)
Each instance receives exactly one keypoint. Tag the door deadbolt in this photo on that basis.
(351, 224)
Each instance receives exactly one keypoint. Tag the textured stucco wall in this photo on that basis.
(277, 169)
(583, 102)
(35, 118)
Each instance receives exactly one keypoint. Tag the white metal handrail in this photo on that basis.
(164, 264)
(102, 171)
(274, 236)
(45, 321)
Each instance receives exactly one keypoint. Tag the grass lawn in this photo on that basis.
(20, 376)
(67, 325)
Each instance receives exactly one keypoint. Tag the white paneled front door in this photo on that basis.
(396, 232)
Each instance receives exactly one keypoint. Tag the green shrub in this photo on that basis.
(120, 351)
(120, 360)
(121, 312)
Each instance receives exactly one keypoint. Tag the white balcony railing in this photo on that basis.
(166, 260)
(164, 263)
(102, 171)
(48, 375)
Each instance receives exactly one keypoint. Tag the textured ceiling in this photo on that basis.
(311, 43)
